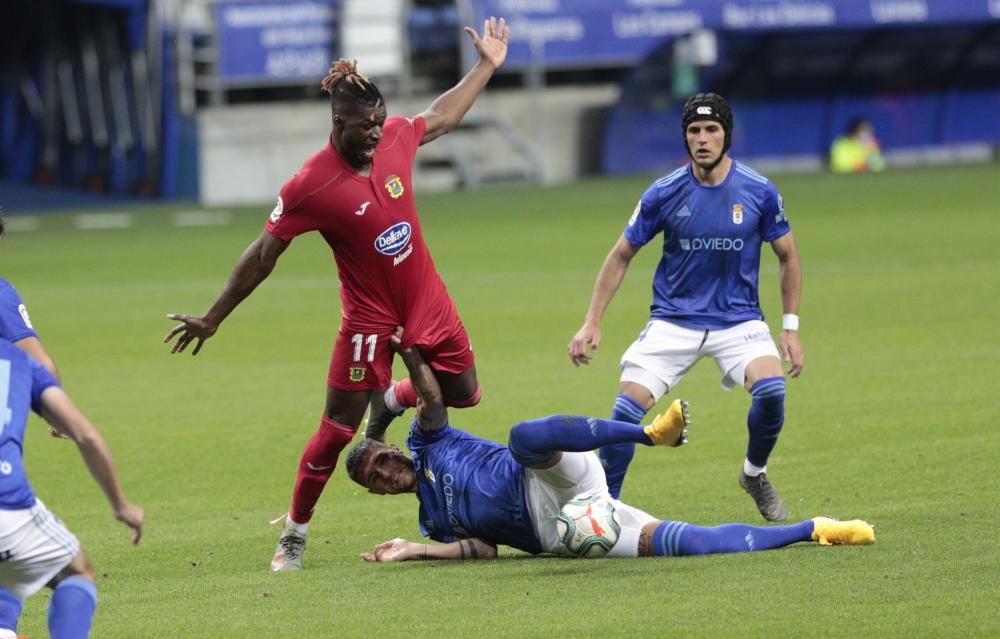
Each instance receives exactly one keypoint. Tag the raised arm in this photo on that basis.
(790, 272)
(588, 338)
(431, 412)
(447, 111)
(253, 267)
(402, 550)
(60, 411)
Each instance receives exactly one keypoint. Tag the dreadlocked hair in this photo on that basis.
(347, 87)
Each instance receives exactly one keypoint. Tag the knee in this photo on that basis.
(525, 447)
(769, 395)
(469, 401)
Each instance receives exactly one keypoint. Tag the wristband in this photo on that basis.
(789, 322)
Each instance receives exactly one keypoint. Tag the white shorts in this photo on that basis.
(546, 490)
(665, 352)
(34, 547)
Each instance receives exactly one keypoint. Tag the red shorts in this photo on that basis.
(362, 360)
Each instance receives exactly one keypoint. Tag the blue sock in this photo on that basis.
(767, 414)
(533, 442)
(677, 539)
(616, 458)
(10, 610)
(71, 610)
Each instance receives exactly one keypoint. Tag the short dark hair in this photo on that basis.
(357, 455)
(348, 88)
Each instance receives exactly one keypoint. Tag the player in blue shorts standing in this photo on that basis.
(475, 494)
(36, 549)
(714, 213)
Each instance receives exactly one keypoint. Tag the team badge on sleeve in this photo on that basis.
(356, 373)
(24, 315)
(780, 216)
(394, 186)
(635, 213)
(737, 214)
(279, 208)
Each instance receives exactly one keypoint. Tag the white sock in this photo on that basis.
(390, 399)
(752, 471)
(291, 524)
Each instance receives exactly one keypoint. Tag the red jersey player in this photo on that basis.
(357, 192)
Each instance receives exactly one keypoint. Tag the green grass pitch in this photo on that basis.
(895, 420)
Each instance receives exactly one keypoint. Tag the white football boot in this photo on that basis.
(291, 546)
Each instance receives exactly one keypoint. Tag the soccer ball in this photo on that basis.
(588, 525)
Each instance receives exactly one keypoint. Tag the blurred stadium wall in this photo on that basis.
(218, 100)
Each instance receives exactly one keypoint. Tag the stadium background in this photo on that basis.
(141, 144)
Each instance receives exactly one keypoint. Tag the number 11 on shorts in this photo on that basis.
(358, 339)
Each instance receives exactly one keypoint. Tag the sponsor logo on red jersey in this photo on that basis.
(394, 239)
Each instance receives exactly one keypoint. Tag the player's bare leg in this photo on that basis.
(765, 382)
(341, 418)
(460, 390)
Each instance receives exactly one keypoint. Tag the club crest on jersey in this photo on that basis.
(737, 214)
(394, 185)
(394, 239)
(279, 209)
(356, 373)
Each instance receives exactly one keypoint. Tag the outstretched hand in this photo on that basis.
(134, 517)
(584, 344)
(192, 328)
(393, 550)
(492, 46)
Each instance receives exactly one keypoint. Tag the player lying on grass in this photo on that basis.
(475, 494)
(36, 549)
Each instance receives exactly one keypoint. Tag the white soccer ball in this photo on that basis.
(589, 525)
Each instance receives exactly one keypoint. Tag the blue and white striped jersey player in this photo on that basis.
(475, 494)
(36, 549)
(714, 215)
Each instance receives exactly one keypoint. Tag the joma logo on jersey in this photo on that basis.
(394, 186)
(394, 239)
(356, 373)
(279, 209)
(711, 244)
(737, 214)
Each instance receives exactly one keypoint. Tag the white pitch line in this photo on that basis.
(22, 223)
(202, 218)
(102, 221)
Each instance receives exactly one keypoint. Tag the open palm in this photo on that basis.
(492, 46)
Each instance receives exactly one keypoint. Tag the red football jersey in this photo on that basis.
(387, 276)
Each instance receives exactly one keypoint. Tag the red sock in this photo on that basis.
(405, 394)
(319, 458)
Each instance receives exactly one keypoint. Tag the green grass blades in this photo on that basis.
(894, 420)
